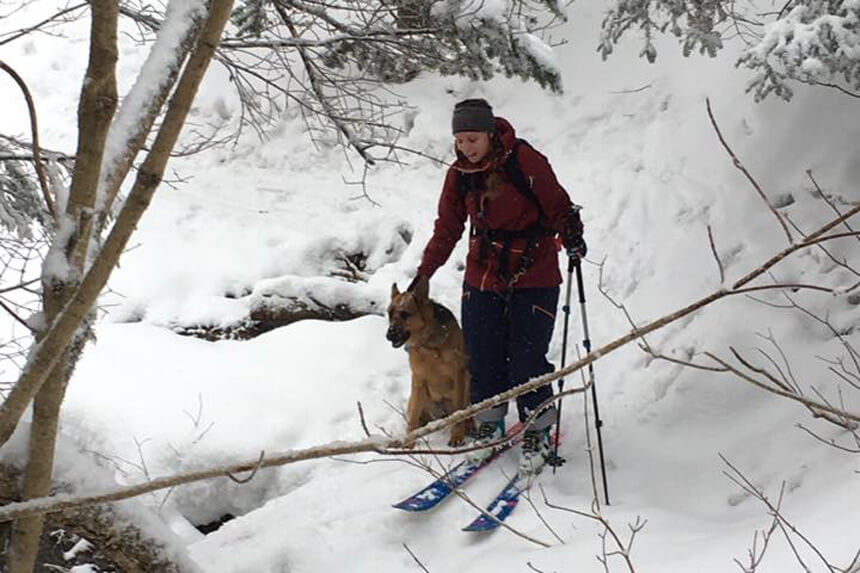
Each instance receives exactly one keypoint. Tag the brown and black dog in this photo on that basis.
(437, 356)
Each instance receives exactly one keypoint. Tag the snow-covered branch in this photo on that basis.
(808, 41)
(143, 104)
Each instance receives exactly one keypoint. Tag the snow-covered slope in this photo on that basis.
(633, 144)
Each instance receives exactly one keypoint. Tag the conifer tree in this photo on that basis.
(807, 41)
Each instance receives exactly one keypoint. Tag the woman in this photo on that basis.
(516, 208)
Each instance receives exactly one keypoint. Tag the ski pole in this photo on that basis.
(598, 423)
(566, 309)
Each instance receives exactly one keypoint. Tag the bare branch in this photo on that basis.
(363, 184)
(313, 76)
(812, 404)
(740, 166)
(826, 199)
(739, 478)
(632, 91)
(14, 315)
(812, 239)
(418, 561)
(22, 285)
(58, 16)
(393, 446)
(34, 129)
(716, 256)
(829, 442)
(832, 86)
(363, 421)
(253, 471)
(623, 549)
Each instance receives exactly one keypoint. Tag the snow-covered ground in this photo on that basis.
(633, 144)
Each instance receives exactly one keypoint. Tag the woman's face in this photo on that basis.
(475, 145)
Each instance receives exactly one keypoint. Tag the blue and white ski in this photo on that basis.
(502, 505)
(507, 499)
(439, 490)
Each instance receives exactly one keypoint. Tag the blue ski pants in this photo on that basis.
(507, 342)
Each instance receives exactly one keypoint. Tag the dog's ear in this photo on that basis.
(420, 287)
(394, 290)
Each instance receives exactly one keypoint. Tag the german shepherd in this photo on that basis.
(437, 357)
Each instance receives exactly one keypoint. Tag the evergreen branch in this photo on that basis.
(313, 76)
(355, 36)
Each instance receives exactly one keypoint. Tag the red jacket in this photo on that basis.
(509, 209)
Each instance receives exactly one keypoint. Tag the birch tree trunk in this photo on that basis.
(68, 298)
(96, 110)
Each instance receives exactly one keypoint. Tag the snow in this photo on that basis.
(156, 70)
(538, 49)
(633, 144)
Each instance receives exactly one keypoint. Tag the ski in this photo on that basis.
(502, 505)
(432, 495)
(508, 498)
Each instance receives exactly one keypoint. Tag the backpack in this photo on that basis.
(513, 172)
(474, 182)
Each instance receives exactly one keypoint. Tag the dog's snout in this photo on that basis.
(397, 336)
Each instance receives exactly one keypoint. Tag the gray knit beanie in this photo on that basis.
(473, 115)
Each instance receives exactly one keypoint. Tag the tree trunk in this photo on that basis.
(95, 112)
(116, 168)
(68, 303)
(111, 529)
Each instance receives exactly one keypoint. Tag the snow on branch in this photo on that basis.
(809, 41)
(813, 42)
(142, 104)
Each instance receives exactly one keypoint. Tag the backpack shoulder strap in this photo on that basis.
(515, 175)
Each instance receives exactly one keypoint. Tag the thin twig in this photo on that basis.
(786, 394)
(14, 315)
(716, 256)
(740, 166)
(740, 479)
(363, 421)
(24, 31)
(686, 363)
(632, 91)
(826, 199)
(623, 550)
(22, 285)
(34, 128)
(253, 472)
(831, 442)
(542, 519)
(418, 561)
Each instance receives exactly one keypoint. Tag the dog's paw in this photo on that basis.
(457, 439)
